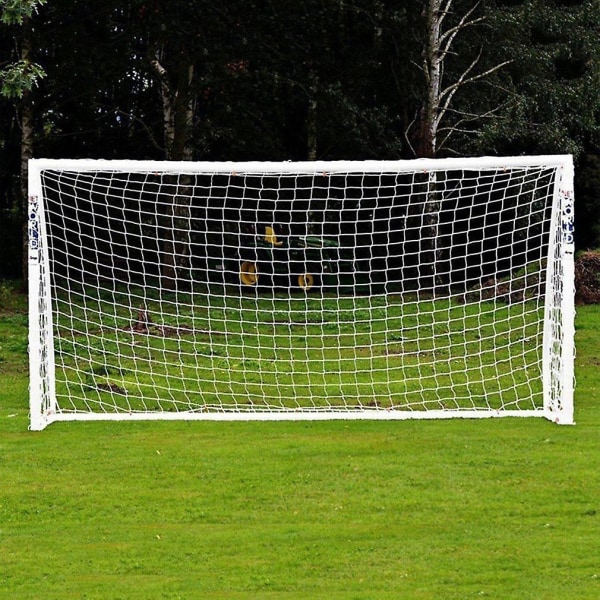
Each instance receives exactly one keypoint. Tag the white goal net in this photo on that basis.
(312, 290)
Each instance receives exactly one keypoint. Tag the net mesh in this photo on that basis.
(261, 292)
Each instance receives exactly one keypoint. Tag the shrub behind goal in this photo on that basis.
(312, 290)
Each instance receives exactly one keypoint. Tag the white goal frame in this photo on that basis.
(557, 348)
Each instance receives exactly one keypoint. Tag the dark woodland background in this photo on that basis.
(297, 80)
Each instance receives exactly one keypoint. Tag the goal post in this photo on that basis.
(424, 289)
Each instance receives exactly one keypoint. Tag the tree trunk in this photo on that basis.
(175, 267)
(311, 119)
(432, 62)
(27, 116)
(176, 246)
(178, 111)
(430, 253)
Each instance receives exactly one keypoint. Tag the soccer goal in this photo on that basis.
(301, 290)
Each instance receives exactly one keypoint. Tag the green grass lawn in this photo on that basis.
(124, 351)
(497, 508)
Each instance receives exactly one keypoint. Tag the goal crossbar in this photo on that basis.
(298, 167)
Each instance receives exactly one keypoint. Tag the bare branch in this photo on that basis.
(407, 131)
(463, 80)
(443, 10)
(447, 94)
(448, 36)
(465, 116)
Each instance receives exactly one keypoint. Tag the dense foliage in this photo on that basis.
(283, 79)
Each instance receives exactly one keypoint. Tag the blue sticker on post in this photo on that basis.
(34, 228)
(568, 221)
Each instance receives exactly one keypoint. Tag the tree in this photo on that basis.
(452, 33)
(97, 100)
(553, 79)
(553, 82)
(18, 77)
(283, 79)
(17, 80)
(450, 63)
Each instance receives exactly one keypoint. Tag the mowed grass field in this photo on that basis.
(497, 508)
(133, 349)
